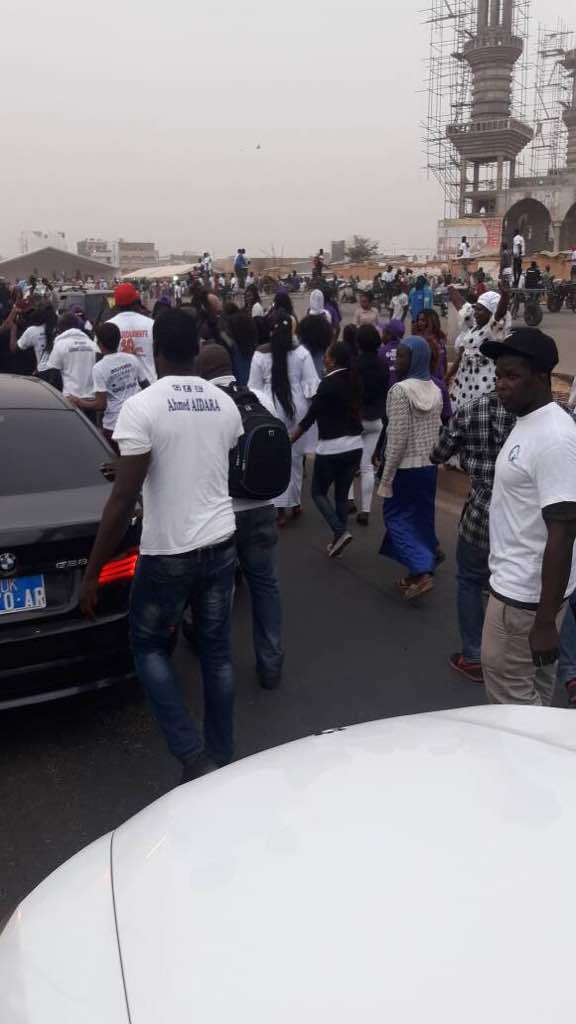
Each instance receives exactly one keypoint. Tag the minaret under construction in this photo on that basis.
(491, 136)
(498, 171)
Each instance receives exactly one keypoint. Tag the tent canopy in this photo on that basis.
(160, 273)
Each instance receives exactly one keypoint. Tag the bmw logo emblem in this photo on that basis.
(7, 561)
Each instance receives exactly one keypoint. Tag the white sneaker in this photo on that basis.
(337, 546)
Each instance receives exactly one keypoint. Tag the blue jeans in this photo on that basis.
(163, 586)
(256, 540)
(339, 470)
(473, 576)
(567, 659)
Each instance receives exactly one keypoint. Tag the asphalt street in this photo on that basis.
(73, 770)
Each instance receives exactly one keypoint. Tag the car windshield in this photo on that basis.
(47, 450)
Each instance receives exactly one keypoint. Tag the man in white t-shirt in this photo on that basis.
(206, 264)
(256, 541)
(34, 337)
(117, 376)
(74, 355)
(39, 336)
(532, 525)
(518, 254)
(174, 439)
(464, 249)
(135, 328)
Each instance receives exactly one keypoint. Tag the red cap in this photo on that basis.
(125, 295)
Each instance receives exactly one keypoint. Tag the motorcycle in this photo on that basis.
(530, 298)
(561, 293)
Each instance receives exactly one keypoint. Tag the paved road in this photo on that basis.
(73, 770)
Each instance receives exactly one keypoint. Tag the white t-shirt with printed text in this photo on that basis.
(536, 468)
(35, 337)
(119, 375)
(189, 426)
(136, 339)
(74, 354)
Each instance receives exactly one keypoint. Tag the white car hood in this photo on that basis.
(59, 959)
(409, 870)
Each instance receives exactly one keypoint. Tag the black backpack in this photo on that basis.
(261, 462)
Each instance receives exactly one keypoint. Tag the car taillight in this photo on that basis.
(122, 567)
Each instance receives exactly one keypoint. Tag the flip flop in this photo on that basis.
(418, 588)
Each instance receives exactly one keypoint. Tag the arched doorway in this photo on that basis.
(534, 222)
(568, 230)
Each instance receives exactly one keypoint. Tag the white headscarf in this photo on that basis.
(317, 305)
(316, 302)
(490, 301)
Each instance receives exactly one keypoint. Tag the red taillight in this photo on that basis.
(121, 568)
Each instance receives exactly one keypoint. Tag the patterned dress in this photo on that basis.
(476, 375)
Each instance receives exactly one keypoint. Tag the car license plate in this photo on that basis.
(22, 594)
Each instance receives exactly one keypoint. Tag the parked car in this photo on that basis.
(407, 870)
(52, 492)
(94, 302)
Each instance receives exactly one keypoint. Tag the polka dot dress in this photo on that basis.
(476, 375)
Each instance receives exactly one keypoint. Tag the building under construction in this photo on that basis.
(501, 125)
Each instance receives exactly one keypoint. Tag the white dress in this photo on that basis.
(304, 383)
(476, 375)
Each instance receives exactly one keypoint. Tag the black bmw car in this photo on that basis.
(52, 492)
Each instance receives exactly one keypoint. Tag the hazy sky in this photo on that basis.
(141, 120)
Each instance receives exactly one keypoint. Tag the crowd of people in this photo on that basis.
(177, 389)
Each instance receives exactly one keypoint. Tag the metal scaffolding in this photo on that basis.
(552, 89)
(448, 79)
(521, 89)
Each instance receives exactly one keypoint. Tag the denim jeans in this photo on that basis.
(256, 540)
(338, 470)
(567, 659)
(162, 587)
(473, 576)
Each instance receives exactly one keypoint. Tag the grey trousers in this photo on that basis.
(510, 676)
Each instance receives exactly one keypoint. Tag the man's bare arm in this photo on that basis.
(130, 475)
(556, 567)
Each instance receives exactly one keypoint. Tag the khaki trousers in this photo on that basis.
(510, 676)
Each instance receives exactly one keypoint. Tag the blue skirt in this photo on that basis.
(409, 518)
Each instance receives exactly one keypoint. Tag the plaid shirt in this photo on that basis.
(476, 433)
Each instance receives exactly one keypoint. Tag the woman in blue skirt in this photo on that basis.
(408, 483)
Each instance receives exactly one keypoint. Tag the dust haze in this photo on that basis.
(209, 126)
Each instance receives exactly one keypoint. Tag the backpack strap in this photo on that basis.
(240, 394)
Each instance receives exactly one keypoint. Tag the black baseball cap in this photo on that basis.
(529, 342)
